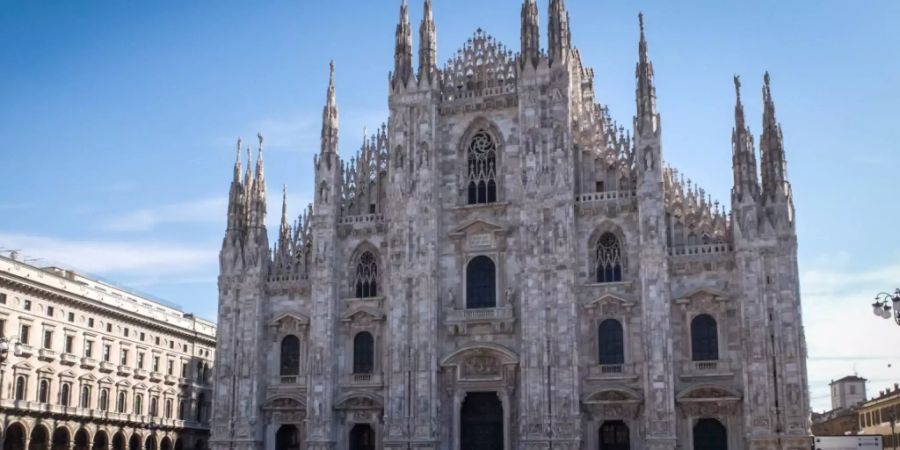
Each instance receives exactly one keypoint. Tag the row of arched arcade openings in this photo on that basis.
(17, 437)
(482, 429)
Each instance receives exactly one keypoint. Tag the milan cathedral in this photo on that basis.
(503, 266)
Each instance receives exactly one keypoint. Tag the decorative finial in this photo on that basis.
(259, 136)
(766, 78)
(737, 86)
(331, 73)
(641, 21)
(239, 142)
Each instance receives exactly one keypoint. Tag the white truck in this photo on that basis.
(857, 442)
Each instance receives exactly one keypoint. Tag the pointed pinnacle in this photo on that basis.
(428, 14)
(641, 23)
(737, 87)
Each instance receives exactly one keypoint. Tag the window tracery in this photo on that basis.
(481, 169)
(608, 259)
(365, 282)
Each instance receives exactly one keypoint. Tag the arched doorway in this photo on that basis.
(135, 442)
(362, 437)
(481, 422)
(287, 438)
(60, 439)
(101, 441)
(710, 434)
(119, 441)
(15, 437)
(150, 443)
(82, 440)
(40, 438)
(165, 444)
(614, 436)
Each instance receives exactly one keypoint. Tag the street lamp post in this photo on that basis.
(887, 305)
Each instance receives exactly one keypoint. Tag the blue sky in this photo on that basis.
(119, 120)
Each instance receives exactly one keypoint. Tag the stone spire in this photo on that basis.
(530, 33)
(284, 230)
(427, 45)
(402, 50)
(258, 193)
(559, 37)
(774, 172)
(743, 154)
(236, 195)
(330, 118)
(647, 118)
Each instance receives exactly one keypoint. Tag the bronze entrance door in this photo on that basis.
(481, 422)
(614, 436)
(362, 437)
(710, 434)
(287, 438)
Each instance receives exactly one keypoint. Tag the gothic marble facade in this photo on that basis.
(503, 266)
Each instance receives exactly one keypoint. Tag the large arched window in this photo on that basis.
(704, 339)
(168, 410)
(363, 353)
(138, 404)
(481, 283)
(290, 356)
(610, 341)
(65, 390)
(365, 282)
(85, 397)
(481, 169)
(104, 399)
(608, 259)
(20, 387)
(120, 403)
(44, 391)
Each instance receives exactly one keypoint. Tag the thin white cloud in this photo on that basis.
(113, 257)
(208, 210)
(843, 335)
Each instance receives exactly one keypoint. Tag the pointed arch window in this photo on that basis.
(608, 259)
(610, 342)
(481, 169)
(481, 283)
(704, 338)
(365, 283)
(290, 356)
(363, 353)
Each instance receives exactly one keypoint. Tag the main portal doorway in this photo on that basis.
(481, 422)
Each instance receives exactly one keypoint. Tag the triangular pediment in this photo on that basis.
(67, 374)
(87, 377)
(106, 380)
(46, 370)
(22, 366)
(704, 393)
(362, 312)
(610, 298)
(702, 292)
(288, 318)
(477, 226)
(140, 386)
(123, 383)
(612, 395)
